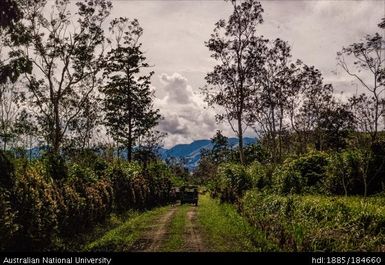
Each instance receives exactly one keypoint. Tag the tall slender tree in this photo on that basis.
(128, 98)
(230, 85)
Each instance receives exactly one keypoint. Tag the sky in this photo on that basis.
(175, 32)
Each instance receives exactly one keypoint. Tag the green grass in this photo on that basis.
(318, 223)
(224, 230)
(122, 237)
(175, 242)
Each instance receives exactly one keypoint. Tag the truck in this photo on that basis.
(189, 194)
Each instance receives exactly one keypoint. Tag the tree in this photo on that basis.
(366, 66)
(9, 106)
(230, 85)
(276, 83)
(66, 51)
(13, 66)
(305, 106)
(85, 125)
(335, 123)
(148, 147)
(128, 99)
(220, 148)
(9, 13)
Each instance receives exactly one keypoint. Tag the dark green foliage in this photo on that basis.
(128, 185)
(345, 173)
(312, 167)
(55, 166)
(287, 180)
(8, 227)
(302, 174)
(260, 176)
(220, 148)
(376, 169)
(233, 181)
(128, 98)
(7, 178)
(9, 13)
(159, 178)
(335, 125)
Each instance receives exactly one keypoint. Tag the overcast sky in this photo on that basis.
(175, 32)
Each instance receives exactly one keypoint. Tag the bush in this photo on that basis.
(8, 227)
(55, 166)
(233, 181)
(304, 174)
(7, 178)
(75, 172)
(345, 173)
(312, 167)
(38, 209)
(260, 175)
(287, 180)
(159, 177)
(128, 185)
(376, 170)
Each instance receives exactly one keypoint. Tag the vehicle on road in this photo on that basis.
(189, 194)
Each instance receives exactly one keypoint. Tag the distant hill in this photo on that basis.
(192, 152)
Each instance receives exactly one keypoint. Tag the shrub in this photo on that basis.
(376, 170)
(127, 183)
(159, 178)
(75, 171)
(85, 204)
(8, 227)
(7, 178)
(259, 175)
(45, 213)
(304, 174)
(312, 167)
(345, 173)
(287, 180)
(55, 166)
(36, 202)
(233, 181)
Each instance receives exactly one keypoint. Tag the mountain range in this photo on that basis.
(191, 153)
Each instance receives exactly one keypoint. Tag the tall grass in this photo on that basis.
(317, 223)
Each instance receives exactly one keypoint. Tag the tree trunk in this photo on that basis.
(57, 132)
(129, 152)
(129, 147)
(280, 134)
(240, 139)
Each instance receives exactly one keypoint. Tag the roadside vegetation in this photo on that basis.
(225, 230)
(315, 179)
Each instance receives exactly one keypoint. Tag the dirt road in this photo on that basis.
(158, 233)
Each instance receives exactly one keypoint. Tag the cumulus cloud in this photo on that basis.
(172, 125)
(176, 88)
(185, 117)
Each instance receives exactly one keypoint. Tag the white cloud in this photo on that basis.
(185, 117)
